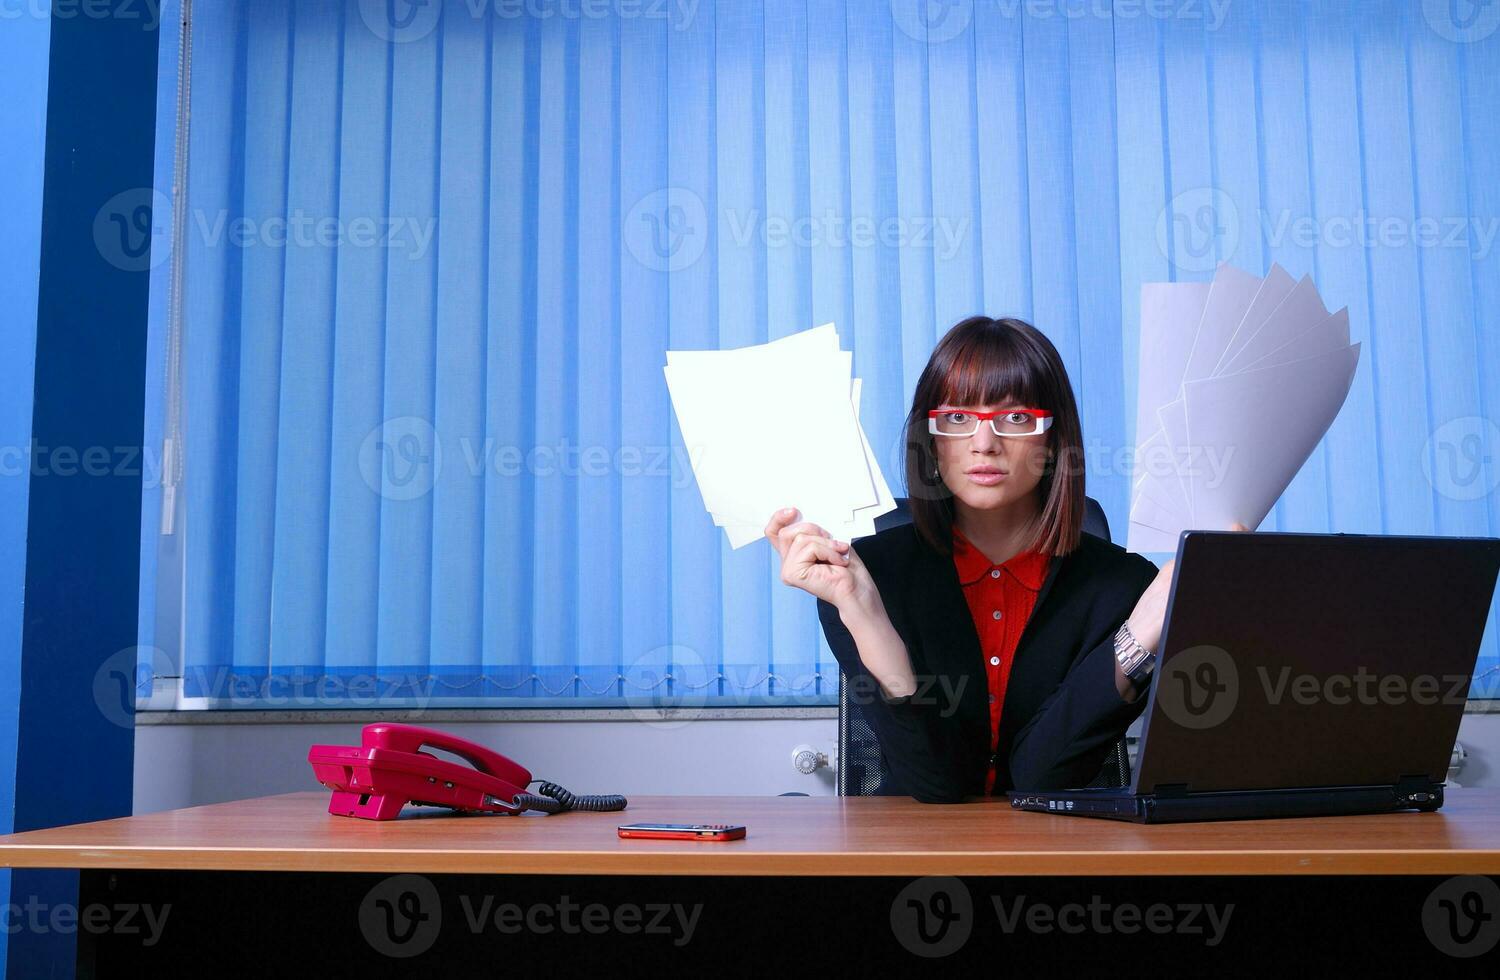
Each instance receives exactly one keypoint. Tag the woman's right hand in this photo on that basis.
(833, 571)
(813, 561)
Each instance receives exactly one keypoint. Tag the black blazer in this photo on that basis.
(1062, 712)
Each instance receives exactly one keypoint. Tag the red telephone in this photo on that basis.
(388, 769)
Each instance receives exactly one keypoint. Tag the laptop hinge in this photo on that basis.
(1169, 790)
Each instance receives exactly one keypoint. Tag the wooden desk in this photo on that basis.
(787, 836)
(839, 884)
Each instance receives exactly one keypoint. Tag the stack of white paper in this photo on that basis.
(1239, 380)
(777, 425)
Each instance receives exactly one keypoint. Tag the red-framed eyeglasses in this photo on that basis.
(1009, 422)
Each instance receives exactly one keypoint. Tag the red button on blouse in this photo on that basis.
(1001, 598)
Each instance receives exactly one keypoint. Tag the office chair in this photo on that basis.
(860, 766)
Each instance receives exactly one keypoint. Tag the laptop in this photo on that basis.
(1303, 675)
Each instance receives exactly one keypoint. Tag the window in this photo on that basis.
(411, 307)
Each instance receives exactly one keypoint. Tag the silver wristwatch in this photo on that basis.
(1136, 662)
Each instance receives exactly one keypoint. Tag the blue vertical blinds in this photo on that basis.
(436, 254)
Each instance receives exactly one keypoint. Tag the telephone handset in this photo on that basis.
(388, 769)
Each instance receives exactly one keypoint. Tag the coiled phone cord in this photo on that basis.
(552, 798)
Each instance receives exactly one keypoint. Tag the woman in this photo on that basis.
(985, 637)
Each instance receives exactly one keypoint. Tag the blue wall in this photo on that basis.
(72, 391)
(23, 115)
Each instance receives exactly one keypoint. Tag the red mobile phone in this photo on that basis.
(683, 831)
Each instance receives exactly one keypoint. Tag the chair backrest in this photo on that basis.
(860, 767)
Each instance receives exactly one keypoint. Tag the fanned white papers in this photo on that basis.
(1232, 412)
(1277, 284)
(775, 425)
(1240, 379)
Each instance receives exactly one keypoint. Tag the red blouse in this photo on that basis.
(1000, 599)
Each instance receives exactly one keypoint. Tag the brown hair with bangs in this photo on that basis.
(986, 361)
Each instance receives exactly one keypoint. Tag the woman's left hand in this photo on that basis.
(1150, 612)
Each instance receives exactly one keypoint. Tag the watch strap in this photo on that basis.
(1136, 662)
